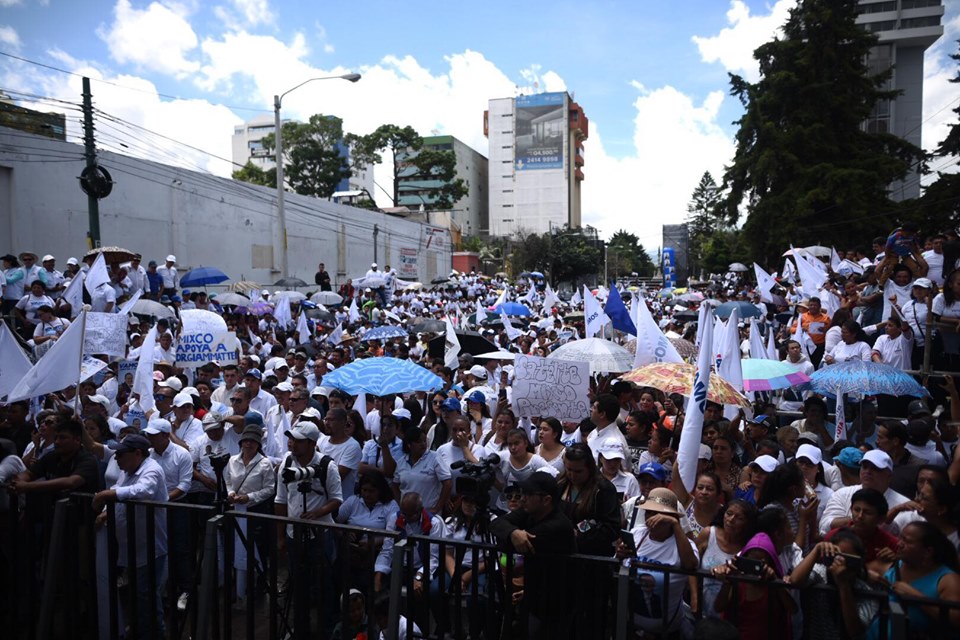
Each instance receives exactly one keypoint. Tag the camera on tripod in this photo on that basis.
(476, 479)
(219, 462)
(309, 472)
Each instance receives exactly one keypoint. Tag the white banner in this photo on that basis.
(196, 349)
(106, 333)
(547, 387)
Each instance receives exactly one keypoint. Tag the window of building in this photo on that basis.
(918, 4)
(916, 23)
(878, 7)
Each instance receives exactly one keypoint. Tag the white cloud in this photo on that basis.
(254, 11)
(158, 38)
(733, 47)
(10, 3)
(940, 96)
(9, 37)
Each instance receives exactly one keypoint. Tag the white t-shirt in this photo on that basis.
(891, 288)
(346, 454)
(648, 614)
(844, 352)
(896, 352)
(935, 262)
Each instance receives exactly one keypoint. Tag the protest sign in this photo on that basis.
(196, 349)
(126, 371)
(548, 387)
(91, 367)
(105, 333)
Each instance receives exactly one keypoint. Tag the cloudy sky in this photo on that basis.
(651, 78)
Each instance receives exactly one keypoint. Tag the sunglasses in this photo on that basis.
(160, 396)
(513, 496)
(235, 400)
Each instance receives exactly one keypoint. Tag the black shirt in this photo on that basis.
(83, 464)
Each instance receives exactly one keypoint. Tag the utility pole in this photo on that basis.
(90, 153)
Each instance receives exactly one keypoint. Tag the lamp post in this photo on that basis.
(281, 214)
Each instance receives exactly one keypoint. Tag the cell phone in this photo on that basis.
(626, 537)
(748, 566)
(854, 563)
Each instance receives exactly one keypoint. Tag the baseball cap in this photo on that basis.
(133, 442)
(918, 408)
(182, 400)
(706, 453)
(303, 431)
(849, 457)
(767, 463)
(158, 376)
(158, 425)
(402, 414)
(924, 283)
(540, 482)
(654, 469)
(878, 458)
(272, 363)
(320, 391)
(764, 421)
(373, 266)
(810, 452)
(253, 418)
(172, 383)
(477, 371)
(99, 399)
(476, 396)
(47, 258)
(212, 420)
(809, 436)
(611, 448)
(253, 373)
(310, 412)
(171, 258)
(73, 261)
(285, 387)
(451, 404)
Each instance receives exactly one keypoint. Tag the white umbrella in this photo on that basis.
(231, 298)
(495, 355)
(818, 251)
(737, 267)
(326, 297)
(152, 308)
(294, 296)
(604, 356)
(413, 286)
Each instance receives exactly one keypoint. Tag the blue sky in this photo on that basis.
(651, 76)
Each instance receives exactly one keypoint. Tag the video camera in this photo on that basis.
(311, 471)
(477, 478)
(218, 461)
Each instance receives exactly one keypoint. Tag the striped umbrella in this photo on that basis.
(678, 378)
(769, 375)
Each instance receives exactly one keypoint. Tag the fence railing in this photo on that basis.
(75, 579)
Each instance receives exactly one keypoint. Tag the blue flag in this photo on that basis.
(617, 312)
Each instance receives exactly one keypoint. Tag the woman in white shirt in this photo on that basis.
(915, 313)
(832, 337)
(521, 462)
(946, 308)
(551, 448)
(852, 345)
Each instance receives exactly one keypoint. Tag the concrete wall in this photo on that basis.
(158, 209)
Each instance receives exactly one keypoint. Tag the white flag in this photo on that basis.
(813, 274)
(143, 377)
(758, 349)
(282, 312)
(74, 294)
(652, 345)
(303, 329)
(353, 314)
(728, 359)
(481, 314)
(834, 260)
(125, 309)
(765, 283)
(97, 275)
(14, 363)
(502, 298)
(336, 335)
(576, 298)
(531, 296)
(688, 452)
(841, 433)
(57, 369)
(451, 346)
(789, 271)
(594, 317)
(550, 299)
(512, 332)
(702, 323)
(771, 345)
(802, 338)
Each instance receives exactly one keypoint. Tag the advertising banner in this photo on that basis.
(539, 129)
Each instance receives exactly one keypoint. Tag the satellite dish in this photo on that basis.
(96, 182)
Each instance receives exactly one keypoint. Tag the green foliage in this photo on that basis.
(312, 164)
(723, 247)
(625, 255)
(255, 175)
(573, 255)
(703, 219)
(803, 160)
(939, 207)
(473, 244)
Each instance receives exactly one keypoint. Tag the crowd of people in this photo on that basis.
(776, 497)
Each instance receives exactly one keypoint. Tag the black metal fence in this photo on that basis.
(67, 578)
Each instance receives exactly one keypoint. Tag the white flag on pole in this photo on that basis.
(282, 312)
(125, 309)
(728, 358)
(57, 369)
(802, 338)
(771, 345)
(353, 314)
(576, 298)
(303, 329)
(765, 283)
(688, 452)
(593, 313)
(336, 335)
(652, 345)
(143, 377)
(502, 298)
(97, 275)
(550, 299)
(74, 294)
(14, 363)
(451, 346)
(758, 349)
(481, 314)
(512, 332)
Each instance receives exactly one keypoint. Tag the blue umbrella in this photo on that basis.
(202, 276)
(863, 378)
(513, 309)
(386, 332)
(382, 377)
(746, 310)
(536, 274)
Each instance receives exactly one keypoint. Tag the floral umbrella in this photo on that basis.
(678, 378)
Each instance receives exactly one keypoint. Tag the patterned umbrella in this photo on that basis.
(678, 378)
(768, 375)
(381, 377)
(604, 356)
(685, 348)
(386, 332)
(864, 378)
(259, 308)
(243, 285)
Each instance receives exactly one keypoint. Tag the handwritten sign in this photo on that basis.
(105, 333)
(545, 387)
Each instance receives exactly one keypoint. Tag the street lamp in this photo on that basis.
(281, 214)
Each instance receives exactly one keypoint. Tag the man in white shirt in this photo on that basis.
(603, 414)
(260, 400)
(895, 346)
(169, 277)
(137, 276)
(231, 380)
(934, 259)
(876, 472)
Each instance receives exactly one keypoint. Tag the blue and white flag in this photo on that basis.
(688, 451)
(594, 317)
(652, 344)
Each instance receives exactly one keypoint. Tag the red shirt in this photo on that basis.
(872, 545)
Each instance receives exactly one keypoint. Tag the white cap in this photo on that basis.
(47, 258)
(99, 399)
(919, 282)
(190, 391)
(810, 452)
(373, 266)
(320, 391)
(304, 431)
(877, 458)
(171, 258)
(477, 372)
(182, 400)
(402, 413)
(273, 362)
(310, 412)
(73, 261)
(212, 420)
(611, 448)
(158, 425)
(767, 463)
(706, 453)
(284, 387)
(172, 383)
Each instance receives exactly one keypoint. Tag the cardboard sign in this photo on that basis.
(546, 387)
(105, 333)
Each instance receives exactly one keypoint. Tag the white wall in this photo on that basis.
(157, 209)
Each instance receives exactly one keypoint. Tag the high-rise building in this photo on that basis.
(536, 162)
(248, 146)
(469, 213)
(906, 28)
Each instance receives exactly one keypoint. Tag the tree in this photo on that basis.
(803, 159)
(703, 219)
(625, 255)
(255, 175)
(430, 173)
(940, 204)
(572, 255)
(312, 161)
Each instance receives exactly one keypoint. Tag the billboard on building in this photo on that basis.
(539, 130)
(676, 238)
(409, 264)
